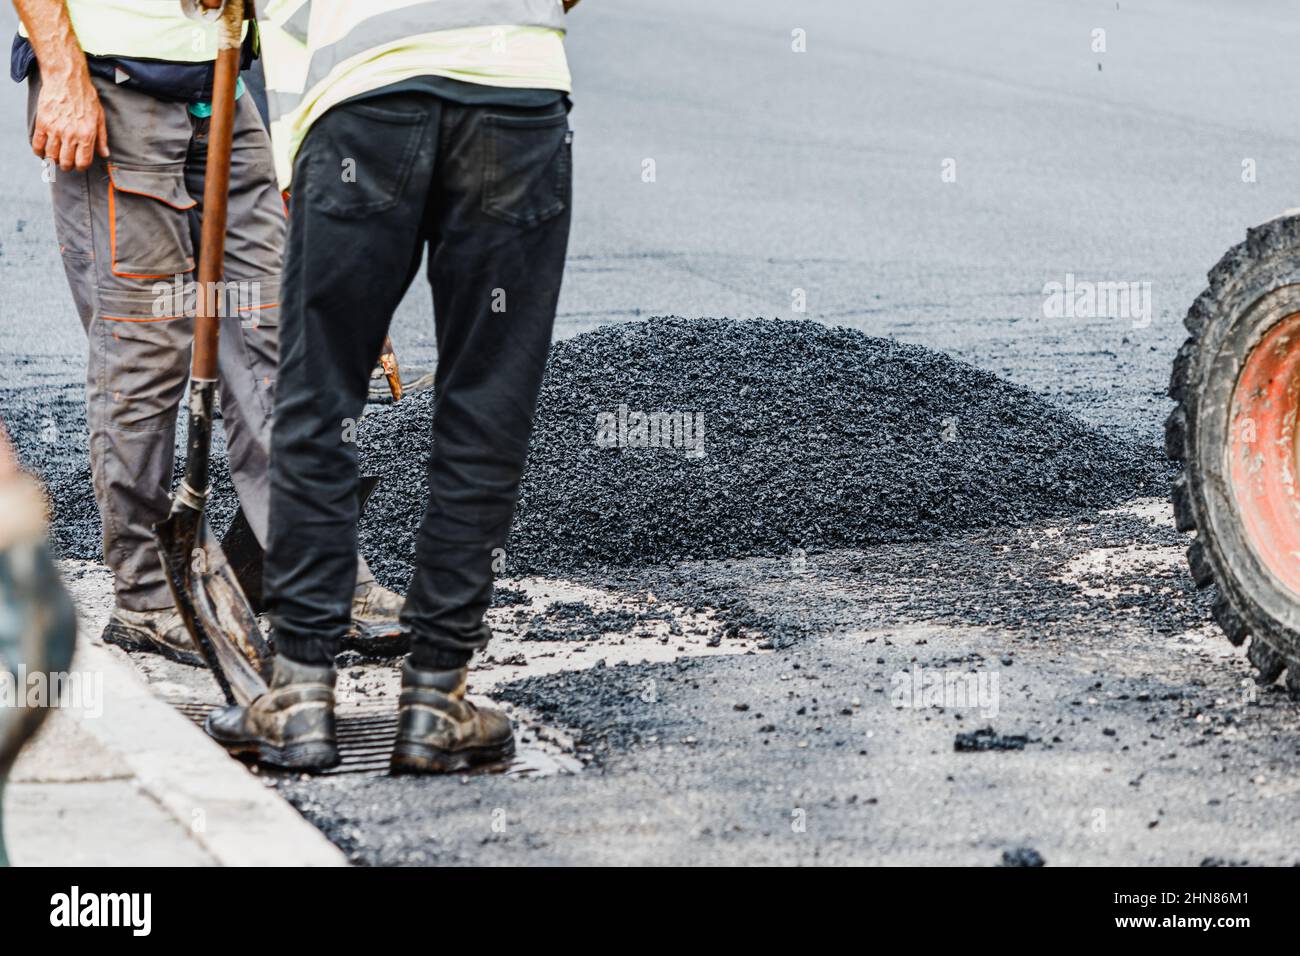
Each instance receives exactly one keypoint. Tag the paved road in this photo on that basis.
(822, 171)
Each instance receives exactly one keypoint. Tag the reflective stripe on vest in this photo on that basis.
(342, 30)
(319, 52)
(141, 29)
(336, 30)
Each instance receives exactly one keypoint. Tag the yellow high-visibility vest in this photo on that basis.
(141, 30)
(318, 53)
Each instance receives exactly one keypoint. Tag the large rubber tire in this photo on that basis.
(1234, 434)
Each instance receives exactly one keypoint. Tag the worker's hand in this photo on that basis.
(70, 126)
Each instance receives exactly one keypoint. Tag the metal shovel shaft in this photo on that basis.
(207, 594)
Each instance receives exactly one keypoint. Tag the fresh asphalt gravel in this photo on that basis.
(780, 436)
(809, 186)
(678, 439)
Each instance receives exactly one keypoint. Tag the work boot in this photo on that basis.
(439, 731)
(291, 725)
(376, 632)
(157, 632)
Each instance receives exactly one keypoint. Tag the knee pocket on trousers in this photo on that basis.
(143, 367)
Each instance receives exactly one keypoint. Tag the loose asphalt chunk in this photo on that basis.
(1022, 856)
(986, 738)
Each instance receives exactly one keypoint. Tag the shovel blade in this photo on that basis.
(247, 556)
(214, 609)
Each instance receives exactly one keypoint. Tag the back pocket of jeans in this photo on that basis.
(362, 161)
(526, 174)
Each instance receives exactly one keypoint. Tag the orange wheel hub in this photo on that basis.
(1262, 451)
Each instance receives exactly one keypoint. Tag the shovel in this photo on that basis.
(388, 361)
(246, 555)
(203, 585)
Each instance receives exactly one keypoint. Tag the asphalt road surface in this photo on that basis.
(922, 171)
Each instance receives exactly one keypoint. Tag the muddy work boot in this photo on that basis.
(155, 632)
(291, 725)
(439, 731)
(376, 632)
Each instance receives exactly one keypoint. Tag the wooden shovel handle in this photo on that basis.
(388, 361)
(212, 238)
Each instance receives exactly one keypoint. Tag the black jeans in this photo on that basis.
(488, 189)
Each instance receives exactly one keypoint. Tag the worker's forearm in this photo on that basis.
(50, 29)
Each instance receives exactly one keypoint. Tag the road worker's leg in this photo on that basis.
(355, 242)
(501, 226)
(250, 327)
(123, 231)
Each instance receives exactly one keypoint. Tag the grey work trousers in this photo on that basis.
(128, 232)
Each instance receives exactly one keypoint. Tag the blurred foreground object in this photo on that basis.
(38, 624)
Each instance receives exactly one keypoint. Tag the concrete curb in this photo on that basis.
(231, 813)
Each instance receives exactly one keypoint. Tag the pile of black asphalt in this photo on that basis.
(673, 440)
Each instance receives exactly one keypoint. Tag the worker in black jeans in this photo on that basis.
(486, 188)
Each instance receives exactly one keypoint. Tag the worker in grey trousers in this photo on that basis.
(125, 144)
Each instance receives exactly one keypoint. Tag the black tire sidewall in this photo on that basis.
(1249, 309)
